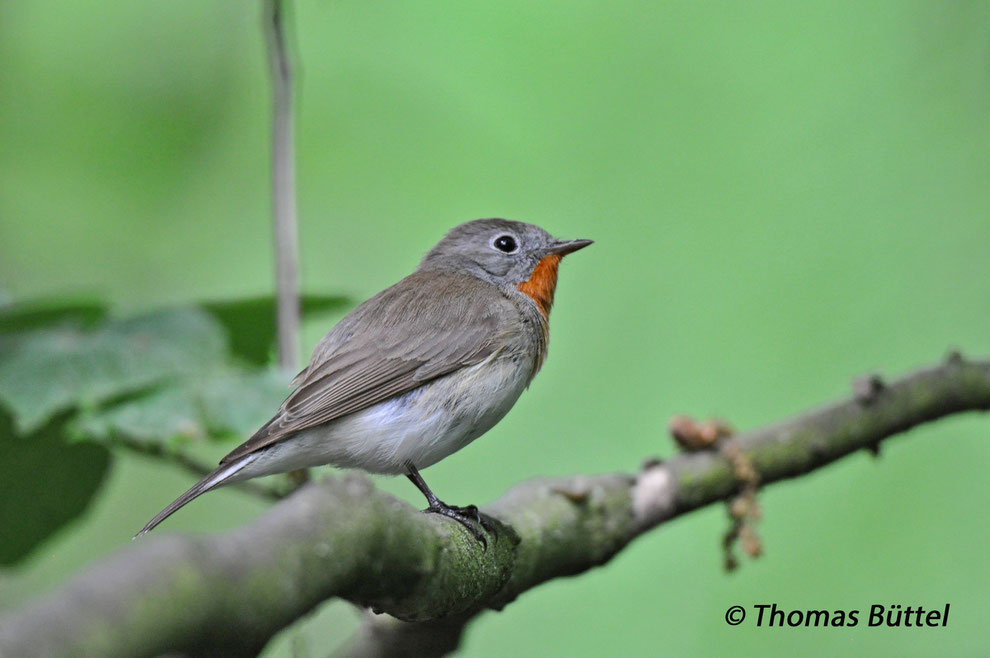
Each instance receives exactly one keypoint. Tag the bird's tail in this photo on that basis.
(217, 478)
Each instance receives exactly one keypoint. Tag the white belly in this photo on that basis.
(420, 427)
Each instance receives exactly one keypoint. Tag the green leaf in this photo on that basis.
(238, 403)
(50, 370)
(44, 484)
(250, 322)
(23, 316)
(169, 414)
(223, 404)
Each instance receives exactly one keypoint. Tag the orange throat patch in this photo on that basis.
(542, 283)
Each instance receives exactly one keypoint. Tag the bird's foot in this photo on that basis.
(470, 517)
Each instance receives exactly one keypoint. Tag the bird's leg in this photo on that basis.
(466, 516)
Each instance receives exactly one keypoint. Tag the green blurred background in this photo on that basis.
(783, 196)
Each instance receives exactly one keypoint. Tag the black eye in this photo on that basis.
(505, 243)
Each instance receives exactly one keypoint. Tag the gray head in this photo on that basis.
(499, 250)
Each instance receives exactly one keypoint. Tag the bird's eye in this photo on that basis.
(505, 243)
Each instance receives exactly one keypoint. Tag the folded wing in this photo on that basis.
(393, 343)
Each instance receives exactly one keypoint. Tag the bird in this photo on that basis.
(418, 371)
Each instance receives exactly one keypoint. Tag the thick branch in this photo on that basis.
(342, 537)
(384, 635)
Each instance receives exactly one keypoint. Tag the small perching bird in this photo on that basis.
(419, 370)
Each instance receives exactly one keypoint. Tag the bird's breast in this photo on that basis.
(542, 283)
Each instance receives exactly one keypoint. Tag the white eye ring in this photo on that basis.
(506, 243)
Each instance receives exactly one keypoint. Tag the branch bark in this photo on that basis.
(341, 537)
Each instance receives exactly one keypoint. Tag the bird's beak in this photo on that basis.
(564, 247)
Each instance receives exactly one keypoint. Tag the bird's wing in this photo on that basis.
(423, 327)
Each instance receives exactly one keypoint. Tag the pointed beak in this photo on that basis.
(564, 247)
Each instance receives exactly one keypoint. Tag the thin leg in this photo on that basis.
(466, 516)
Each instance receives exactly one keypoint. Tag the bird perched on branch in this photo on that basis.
(419, 370)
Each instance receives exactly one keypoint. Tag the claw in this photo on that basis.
(483, 520)
(467, 517)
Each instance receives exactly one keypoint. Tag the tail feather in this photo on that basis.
(216, 478)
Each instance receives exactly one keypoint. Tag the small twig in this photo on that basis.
(744, 510)
(283, 188)
(717, 436)
(197, 468)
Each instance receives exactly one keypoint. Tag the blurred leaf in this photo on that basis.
(50, 370)
(218, 405)
(167, 414)
(238, 403)
(44, 484)
(23, 316)
(250, 322)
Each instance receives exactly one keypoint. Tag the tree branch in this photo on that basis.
(384, 635)
(342, 537)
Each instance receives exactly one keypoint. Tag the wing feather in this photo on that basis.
(391, 344)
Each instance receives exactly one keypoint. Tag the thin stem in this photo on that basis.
(283, 188)
(284, 215)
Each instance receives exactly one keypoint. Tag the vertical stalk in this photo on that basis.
(283, 188)
(284, 216)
